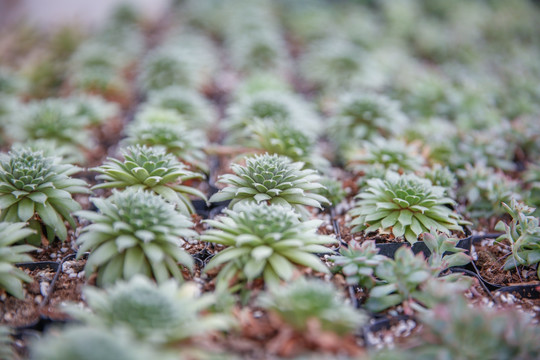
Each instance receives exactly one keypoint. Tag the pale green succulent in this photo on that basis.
(406, 205)
(94, 109)
(11, 278)
(38, 190)
(135, 232)
(391, 154)
(362, 116)
(358, 263)
(444, 252)
(303, 300)
(405, 278)
(523, 234)
(149, 168)
(483, 190)
(185, 144)
(193, 107)
(332, 190)
(6, 343)
(532, 178)
(92, 343)
(53, 119)
(273, 179)
(264, 240)
(282, 138)
(262, 82)
(443, 177)
(272, 106)
(51, 148)
(162, 314)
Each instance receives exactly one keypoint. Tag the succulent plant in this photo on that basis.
(458, 331)
(6, 343)
(443, 177)
(38, 190)
(532, 178)
(271, 106)
(94, 109)
(172, 135)
(444, 252)
(53, 119)
(360, 116)
(405, 278)
(92, 343)
(149, 168)
(273, 179)
(282, 138)
(406, 205)
(332, 190)
(135, 232)
(193, 107)
(523, 234)
(264, 240)
(161, 314)
(483, 190)
(10, 82)
(358, 263)
(262, 82)
(303, 300)
(391, 154)
(51, 148)
(11, 278)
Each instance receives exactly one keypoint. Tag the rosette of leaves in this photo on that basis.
(192, 106)
(360, 116)
(272, 106)
(305, 300)
(391, 154)
(332, 63)
(6, 343)
(174, 136)
(404, 279)
(161, 314)
(94, 109)
(262, 82)
(332, 190)
(53, 119)
(264, 240)
(483, 190)
(149, 168)
(50, 148)
(168, 66)
(11, 278)
(93, 343)
(135, 232)
(440, 244)
(282, 138)
(458, 331)
(443, 177)
(358, 263)
(404, 205)
(523, 234)
(273, 179)
(38, 190)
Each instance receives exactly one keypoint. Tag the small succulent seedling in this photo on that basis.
(151, 169)
(270, 106)
(392, 154)
(443, 177)
(11, 278)
(361, 116)
(282, 138)
(92, 343)
(358, 263)
(94, 109)
(6, 343)
(483, 190)
(273, 179)
(403, 279)
(457, 330)
(304, 300)
(192, 106)
(53, 119)
(523, 233)
(156, 313)
(135, 232)
(406, 205)
(38, 190)
(265, 240)
(439, 244)
(165, 128)
(50, 148)
(333, 190)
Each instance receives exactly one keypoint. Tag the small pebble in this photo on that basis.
(81, 274)
(72, 276)
(8, 317)
(38, 299)
(64, 249)
(53, 256)
(44, 288)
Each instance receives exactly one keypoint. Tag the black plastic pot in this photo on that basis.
(382, 324)
(40, 265)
